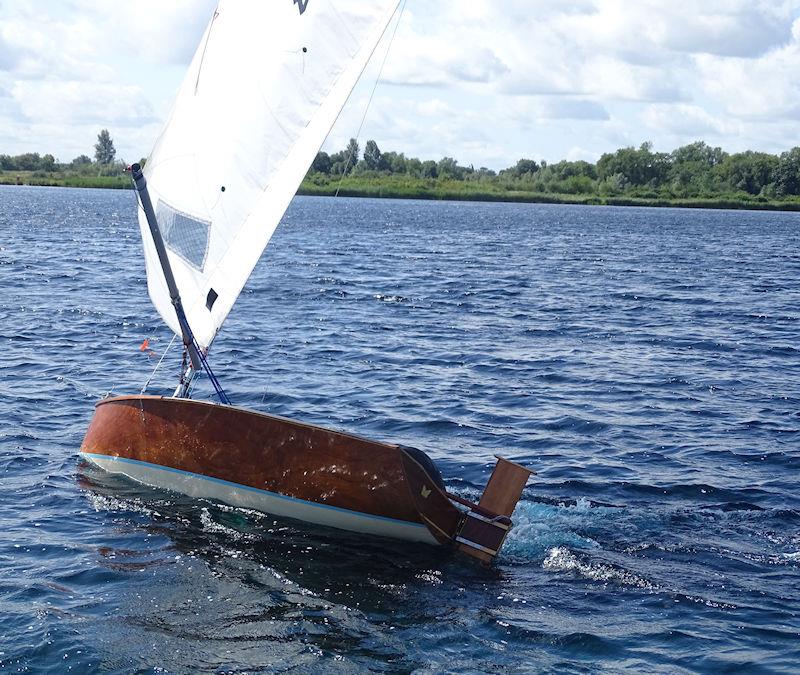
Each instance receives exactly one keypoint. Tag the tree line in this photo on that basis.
(694, 170)
(104, 159)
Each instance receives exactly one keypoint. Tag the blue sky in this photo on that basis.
(484, 81)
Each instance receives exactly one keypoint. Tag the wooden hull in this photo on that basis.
(271, 464)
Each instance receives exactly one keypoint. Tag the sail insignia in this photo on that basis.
(184, 235)
(211, 298)
(301, 5)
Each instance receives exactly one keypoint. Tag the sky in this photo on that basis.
(485, 81)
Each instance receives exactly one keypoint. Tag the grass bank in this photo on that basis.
(391, 187)
(65, 179)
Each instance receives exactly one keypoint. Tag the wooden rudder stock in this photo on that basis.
(482, 533)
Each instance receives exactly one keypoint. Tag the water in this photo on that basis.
(644, 362)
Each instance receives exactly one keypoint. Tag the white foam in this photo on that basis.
(540, 527)
(561, 559)
(211, 525)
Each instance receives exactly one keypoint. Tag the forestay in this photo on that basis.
(263, 90)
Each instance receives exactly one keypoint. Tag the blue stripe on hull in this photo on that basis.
(235, 494)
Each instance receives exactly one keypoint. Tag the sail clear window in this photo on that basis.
(184, 235)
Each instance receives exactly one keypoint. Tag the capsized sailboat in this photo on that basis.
(262, 92)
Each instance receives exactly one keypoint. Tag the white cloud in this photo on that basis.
(733, 28)
(155, 31)
(613, 78)
(529, 111)
(653, 28)
(480, 65)
(99, 103)
(82, 65)
(572, 109)
(575, 154)
(484, 81)
(682, 120)
(435, 107)
(8, 55)
(610, 72)
(766, 88)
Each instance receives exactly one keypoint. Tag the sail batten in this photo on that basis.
(264, 89)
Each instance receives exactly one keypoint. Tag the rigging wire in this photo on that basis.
(152, 375)
(372, 94)
(223, 397)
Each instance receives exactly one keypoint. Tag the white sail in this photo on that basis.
(265, 86)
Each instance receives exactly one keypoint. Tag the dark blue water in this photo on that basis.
(645, 362)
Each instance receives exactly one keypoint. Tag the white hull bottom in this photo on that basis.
(233, 494)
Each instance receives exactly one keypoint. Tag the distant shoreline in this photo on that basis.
(696, 175)
(386, 192)
(391, 191)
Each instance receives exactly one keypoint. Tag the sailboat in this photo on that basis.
(265, 86)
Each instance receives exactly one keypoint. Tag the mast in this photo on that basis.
(147, 206)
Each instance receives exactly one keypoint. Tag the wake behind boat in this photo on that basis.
(265, 86)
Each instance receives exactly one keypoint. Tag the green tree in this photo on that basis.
(613, 184)
(750, 171)
(638, 167)
(81, 160)
(322, 163)
(104, 151)
(428, 169)
(372, 156)
(30, 161)
(447, 167)
(788, 173)
(564, 169)
(698, 153)
(48, 163)
(337, 163)
(524, 166)
(351, 155)
(414, 167)
(694, 171)
(394, 162)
